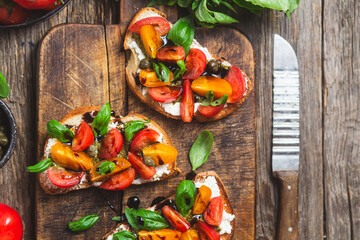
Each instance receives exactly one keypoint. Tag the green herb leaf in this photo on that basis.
(124, 235)
(220, 101)
(117, 218)
(182, 33)
(179, 72)
(83, 223)
(102, 119)
(58, 131)
(184, 3)
(40, 166)
(4, 88)
(161, 2)
(151, 220)
(209, 98)
(185, 195)
(105, 168)
(133, 127)
(223, 18)
(200, 150)
(195, 4)
(203, 14)
(165, 72)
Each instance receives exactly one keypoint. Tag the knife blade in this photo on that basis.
(286, 135)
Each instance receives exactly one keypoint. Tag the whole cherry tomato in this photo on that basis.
(119, 181)
(111, 145)
(161, 25)
(84, 137)
(171, 54)
(165, 94)
(238, 84)
(35, 4)
(175, 219)
(63, 178)
(142, 139)
(210, 111)
(144, 171)
(11, 13)
(206, 231)
(11, 227)
(213, 214)
(187, 102)
(195, 64)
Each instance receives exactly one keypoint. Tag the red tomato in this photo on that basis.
(119, 181)
(210, 111)
(143, 139)
(171, 54)
(111, 145)
(213, 214)
(208, 231)
(161, 25)
(195, 64)
(53, 6)
(187, 102)
(144, 171)
(17, 14)
(84, 137)
(165, 94)
(11, 227)
(35, 4)
(63, 178)
(237, 81)
(175, 219)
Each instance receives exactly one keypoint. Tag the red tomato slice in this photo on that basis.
(144, 171)
(84, 137)
(111, 145)
(161, 25)
(213, 214)
(165, 94)
(11, 227)
(187, 102)
(53, 6)
(208, 231)
(195, 64)
(18, 14)
(35, 4)
(119, 181)
(175, 219)
(171, 54)
(63, 178)
(210, 111)
(142, 139)
(237, 81)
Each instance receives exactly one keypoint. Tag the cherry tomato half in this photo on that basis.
(111, 145)
(187, 102)
(238, 84)
(11, 227)
(165, 94)
(205, 230)
(175, 219)
(144, 171)
(119, 181)
(171, 54)
(161, 25)
(17, 14)
(195, 64)
(84, 137)
(210, 111)
(213, 214)
(53, 6)
(63, 178)
(35, 4)
(142, 139)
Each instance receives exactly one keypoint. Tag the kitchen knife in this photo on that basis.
(286, 135)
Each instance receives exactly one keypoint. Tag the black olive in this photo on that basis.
(145, 63)
(190, 175)
(213, 66)
(133, 202)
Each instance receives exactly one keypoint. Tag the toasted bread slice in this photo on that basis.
(200, 178)
(73, 118)
(133, 43)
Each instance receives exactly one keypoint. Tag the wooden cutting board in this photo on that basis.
(80, 65)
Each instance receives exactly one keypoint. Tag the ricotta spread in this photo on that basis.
(113, 125)
(225, 225)
(51, 142)
(171, 108)
(211, 183)
(136, 49)
(160, 170)
(195, 44)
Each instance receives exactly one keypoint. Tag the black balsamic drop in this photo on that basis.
(190, 175)
(157, 200)
(89, 116)
(164, 203)
(133, 202)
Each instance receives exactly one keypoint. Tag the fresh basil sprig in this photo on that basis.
(102, 119)
(83, 223)
(185, 194)
(58, 131)
(145, 219)
(4, 88)
(105, 168)
(209, 99)
(200, 149)
(182, 33)
(220, 101)
(179, 72)
(133, 127)
(162, 72)
(40, 166)
(117, 218)
(124, 235)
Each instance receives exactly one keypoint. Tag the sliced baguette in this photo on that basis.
(199, 178)
(133, 67)
(72, 119)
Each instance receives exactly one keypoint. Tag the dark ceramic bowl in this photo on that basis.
(8, 121)
(37, 16)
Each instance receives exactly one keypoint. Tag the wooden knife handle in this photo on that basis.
(288, 225)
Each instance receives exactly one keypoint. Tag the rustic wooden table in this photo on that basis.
(326, 38)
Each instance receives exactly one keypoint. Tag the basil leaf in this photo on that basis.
(223, 18)
(228, 5)
(58, 131)
(209, 98)
(195, 4)
(117, 218)
(83, 223)
(203, 14)
(161, 2)
(280, 5)
(150, 220)
(200, 149)
(184, 3)
(220, 101)
(102, 119)
(105, 168)
(179, 72)
(156, 68)
(133, 127)
(40, 166)
(124, 235)
(185, 195)
(4, 88)
(165, 73)
(182, 32)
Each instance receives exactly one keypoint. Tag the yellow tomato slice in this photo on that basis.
(204, 84)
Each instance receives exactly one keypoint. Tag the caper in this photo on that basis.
(92, 151)
(149, 161)
(4, 141)
(145, 63)
(213, 66)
